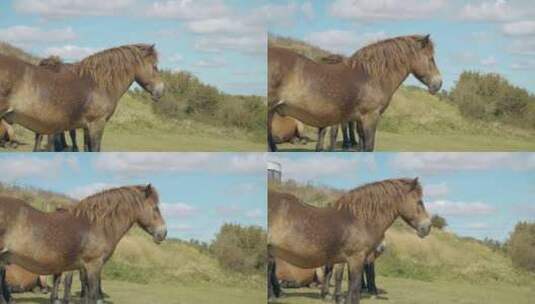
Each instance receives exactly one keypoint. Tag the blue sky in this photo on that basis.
(483, 35)
(221, 42)
(480, 194)
(198, 191)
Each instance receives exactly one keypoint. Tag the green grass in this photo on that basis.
(162, 293)
(409, 291)
(135, 127)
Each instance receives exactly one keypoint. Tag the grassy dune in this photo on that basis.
(142, 272)
(442, 268)
(135, 127)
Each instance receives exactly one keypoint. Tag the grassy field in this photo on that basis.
(407, 291)
(166, 293)
(135, 127)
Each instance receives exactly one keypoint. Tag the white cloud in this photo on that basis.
(176, 58)
(344, 42)
(187, 9)
(228, 210)
(519, 28)
(436, 190)
(308, 10)
(498, 10)
(477, 226)
(179, 227)
(87, 190)
(449, 208)
(139, 164)
(210, 63)
(255, 214)
(385, 9)
(527, 64)
(21, 34)
(248, 44)
(432, 163)
(71, 8)
(310, 168)
(21, 167)
(177, 210)
(69, 52)
(489, 61)
(522, 47)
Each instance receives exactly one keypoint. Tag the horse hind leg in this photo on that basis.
(54, 298)
(334, 136)
(72, 134)
(321, 138)
(328, 269)
(37, 143)
(67, 286)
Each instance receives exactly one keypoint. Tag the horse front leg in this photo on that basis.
(355, 264)
(321, 138)
(93, 279)
(272, 147)
(338, 277)
(56, 280)
(351, 130)
(274, 289)
(368, 126)
(96, 130)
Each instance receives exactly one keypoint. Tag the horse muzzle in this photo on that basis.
(158, 91)
(159, 235)
(435, 85)
(424, 228)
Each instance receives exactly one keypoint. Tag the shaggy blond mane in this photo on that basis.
(390, 54)
(378, 199)
(113, 207)
(109, 68)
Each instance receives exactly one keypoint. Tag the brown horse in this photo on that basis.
(56, 142)
(287, 129)
(358, 89)
(347, 232)
(21, 280)
(80, 237)
(7, 134)
(81, 95)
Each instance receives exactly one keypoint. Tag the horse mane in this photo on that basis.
(377, 199)
(390, 54)
(114, 206)
(110, 67)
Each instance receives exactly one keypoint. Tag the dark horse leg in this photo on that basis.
(72, 133)
(274, 289)
(327, 274)
(271, 142)
(351, 130)
(92, 274)
(87, 140)
(5, 293)
(370, 278)
(67, 286)
(37, 143)
(334, 136)
(321, 137)
(338, 277)
(54, 298)
(346, 130)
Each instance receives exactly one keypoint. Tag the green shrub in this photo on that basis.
(241, 249)
(438, 222)
(521, 246)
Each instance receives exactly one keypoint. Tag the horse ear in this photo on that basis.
(426, 40)
(148, 190)
(414, 184)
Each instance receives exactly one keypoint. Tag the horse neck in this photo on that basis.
(378, 225)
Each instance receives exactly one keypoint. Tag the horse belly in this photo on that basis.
(314, 111)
